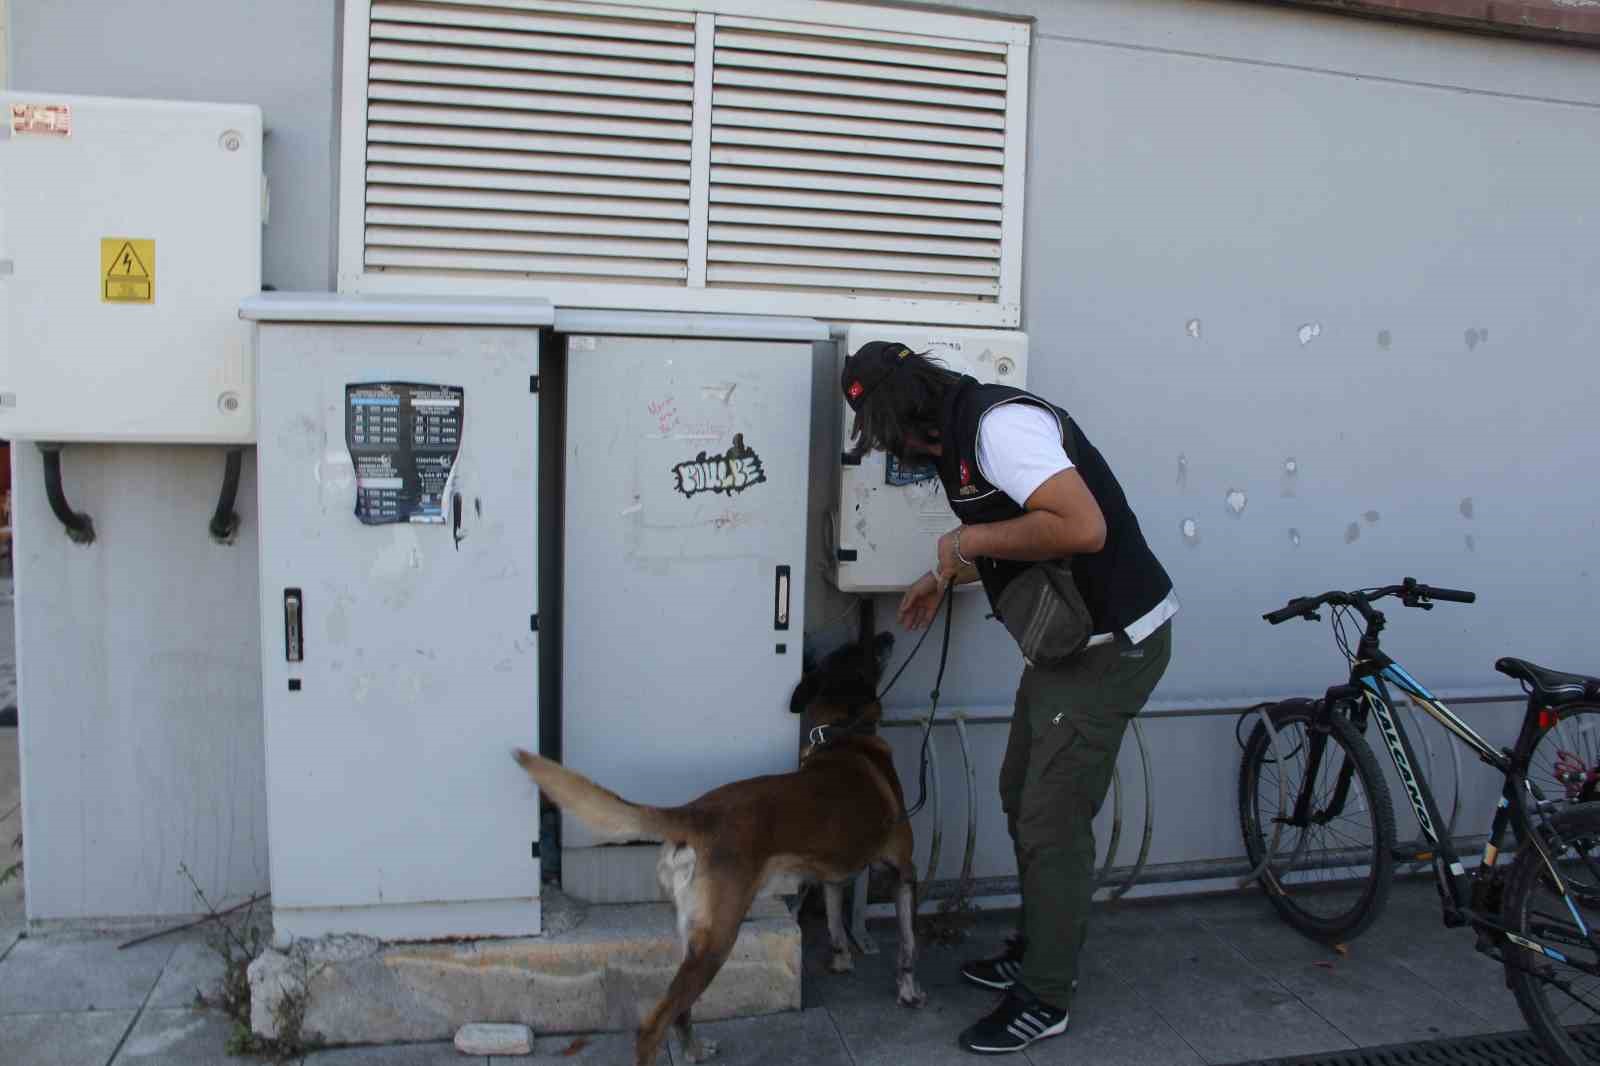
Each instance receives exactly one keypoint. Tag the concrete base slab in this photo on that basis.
(65, 1039)
(604, 973)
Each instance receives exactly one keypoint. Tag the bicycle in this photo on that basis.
(1529, 914)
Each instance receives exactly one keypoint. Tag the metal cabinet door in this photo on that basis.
(394, 806)
(686, 479)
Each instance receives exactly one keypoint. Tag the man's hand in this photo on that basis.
(921, 602)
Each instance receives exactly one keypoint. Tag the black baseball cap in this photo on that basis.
(867, 369)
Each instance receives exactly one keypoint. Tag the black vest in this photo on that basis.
(1122, 582)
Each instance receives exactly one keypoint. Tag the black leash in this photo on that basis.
(933, 707)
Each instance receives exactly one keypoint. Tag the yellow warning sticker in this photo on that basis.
(127, 270)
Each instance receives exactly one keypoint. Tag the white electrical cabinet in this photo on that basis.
(887, 519)
(130, 230)
(398, 483)
(687, 470)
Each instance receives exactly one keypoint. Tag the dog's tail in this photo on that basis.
(604, 812)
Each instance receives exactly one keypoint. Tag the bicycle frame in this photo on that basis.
(1370, 677)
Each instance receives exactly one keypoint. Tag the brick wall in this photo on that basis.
(1570, 21)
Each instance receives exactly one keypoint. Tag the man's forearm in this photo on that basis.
(1028, 538)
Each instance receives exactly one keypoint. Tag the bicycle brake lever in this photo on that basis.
(1312, 616)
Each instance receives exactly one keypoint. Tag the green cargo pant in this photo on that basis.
(1065, 733)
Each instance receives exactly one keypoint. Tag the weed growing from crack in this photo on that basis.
(238, 948)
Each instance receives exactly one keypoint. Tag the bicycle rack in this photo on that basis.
(1136, 874)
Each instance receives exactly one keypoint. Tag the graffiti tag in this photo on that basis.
(732, 472)
(664, 412)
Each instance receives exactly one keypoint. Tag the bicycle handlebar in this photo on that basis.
(1296, 608)
(1410, 591)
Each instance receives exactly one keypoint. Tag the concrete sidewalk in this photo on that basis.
(1213, 980)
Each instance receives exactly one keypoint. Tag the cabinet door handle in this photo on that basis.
(780, 599)
(293, 626)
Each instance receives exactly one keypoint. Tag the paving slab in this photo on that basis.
(61, 973)
(430, 1054)
(75, 1038)
(1220, 1003)
(1376, 1001)
(1474, 981)
(193, 967)
(591, 1049)
(881, 1033)
(800, 1038)
(178, 1038)
(873, 978)
(1113, 1024)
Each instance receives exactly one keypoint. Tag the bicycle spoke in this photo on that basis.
(1326, 863)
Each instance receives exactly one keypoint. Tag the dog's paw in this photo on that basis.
(700, 1050)
(909, 993)
(841, 963)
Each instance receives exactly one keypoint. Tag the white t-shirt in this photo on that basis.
(1019, 449)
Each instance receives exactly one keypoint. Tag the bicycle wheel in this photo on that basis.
(1573, 742)
(1557, 994)
(1329, 878)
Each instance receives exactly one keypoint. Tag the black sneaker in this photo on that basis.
(1000, 972)
(1020, 1020)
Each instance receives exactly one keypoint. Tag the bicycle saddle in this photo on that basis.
(1551, 686)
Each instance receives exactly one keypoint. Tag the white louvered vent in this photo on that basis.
(821, 158)
(553, 141)
(855, 161)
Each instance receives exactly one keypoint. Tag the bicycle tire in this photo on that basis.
(1293, 892)
(1580, 825)
(1576, 730)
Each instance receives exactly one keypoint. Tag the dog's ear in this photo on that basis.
(805, 692)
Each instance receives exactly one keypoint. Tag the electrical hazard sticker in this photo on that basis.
(127, 270)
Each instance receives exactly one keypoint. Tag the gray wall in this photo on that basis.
(1421, 198)
(139, 655)
(1416, 194)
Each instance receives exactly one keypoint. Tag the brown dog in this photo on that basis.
(838, 813)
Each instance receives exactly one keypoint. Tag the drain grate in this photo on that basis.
(1499, 1049)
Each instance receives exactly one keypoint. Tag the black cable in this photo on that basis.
(78, 525)
(224, 523)
(933, 706)
(918, 647)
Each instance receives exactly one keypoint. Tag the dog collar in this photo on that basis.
(822, 736)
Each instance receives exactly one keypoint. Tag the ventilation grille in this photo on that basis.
(858, 162)
(550, 140)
